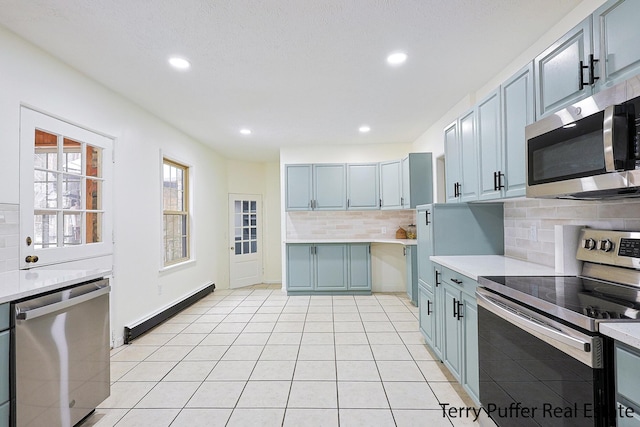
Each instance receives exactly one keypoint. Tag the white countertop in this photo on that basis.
(405, 242)
(626, 332)
(474, 266)
(19, 284)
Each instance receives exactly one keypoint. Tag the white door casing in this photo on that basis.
(65, 191)
(245, 240)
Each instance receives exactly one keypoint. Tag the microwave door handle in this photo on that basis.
(607, 136)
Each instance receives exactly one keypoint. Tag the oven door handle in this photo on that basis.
(580, 346)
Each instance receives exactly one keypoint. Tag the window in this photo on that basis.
(67, 186)
(175, 211)
(65, 191)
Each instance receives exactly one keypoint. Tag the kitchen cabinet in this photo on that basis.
(451, 229)
(315, 187)
(298, 187)
(627, 360)
(615, 36)
(331, 267)
(517, 111)
(460, 329)
(452, 160)
(461, 157)
(426, 304)
(328, 268)
(363, 186)
(391, 185)
(598, 53)
(502, 117)
(411, 258)
(559, 79)
(359, 267)
(489, 146)
(417, 180)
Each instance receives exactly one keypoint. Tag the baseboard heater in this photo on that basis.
(134, 331)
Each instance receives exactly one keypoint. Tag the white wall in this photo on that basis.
(432, 140)
(31, 77)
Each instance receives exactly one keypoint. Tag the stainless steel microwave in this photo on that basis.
(589, 150)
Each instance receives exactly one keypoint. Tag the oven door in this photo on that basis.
(536, 371)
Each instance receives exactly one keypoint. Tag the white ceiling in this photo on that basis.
(294, 71)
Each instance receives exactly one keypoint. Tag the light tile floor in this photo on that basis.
(255, 357)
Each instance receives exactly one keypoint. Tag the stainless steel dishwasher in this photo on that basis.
(62, 355)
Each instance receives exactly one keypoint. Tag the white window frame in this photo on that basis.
(189, 205)
(30, 121)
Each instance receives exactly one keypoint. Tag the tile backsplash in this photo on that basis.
(529, 223)
(347, 224)
(9, 235)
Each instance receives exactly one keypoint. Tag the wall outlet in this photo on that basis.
(384, 230)
(533, 233)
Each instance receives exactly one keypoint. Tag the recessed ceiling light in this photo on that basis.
(364, 129)
(245, 131)
(179, 63)
(397, 58)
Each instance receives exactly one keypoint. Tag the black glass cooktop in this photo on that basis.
(569, 297)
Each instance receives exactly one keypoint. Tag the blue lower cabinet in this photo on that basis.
(328, 268)
(457, 317)
(411, 255)
(300, 267)
(360, 267)
(427, 314)
(331, 267)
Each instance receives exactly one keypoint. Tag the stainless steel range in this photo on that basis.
(542, 358)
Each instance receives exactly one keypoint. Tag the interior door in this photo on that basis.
(245, 231)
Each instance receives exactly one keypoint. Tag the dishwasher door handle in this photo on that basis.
(47, 309)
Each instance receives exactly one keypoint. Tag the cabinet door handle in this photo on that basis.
(495, 181)
(437, 278)
(348, 202)
(460, 306)
(456, 281)
(455, 308)
(429, 311)
(380, 202)
(404, 250)
(500, 176)
(592, 72)
(427, 218)
(581, 83)
(402, 201)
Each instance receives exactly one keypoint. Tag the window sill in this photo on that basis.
(178, 266)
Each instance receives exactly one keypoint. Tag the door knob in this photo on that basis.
(31, 258)
(231, 248)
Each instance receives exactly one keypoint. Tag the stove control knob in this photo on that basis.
(589, 244)
(605, 245)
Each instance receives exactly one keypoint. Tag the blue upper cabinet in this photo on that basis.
(452, 159)
(315, 187)
(615, 41)
(560, 80)
(330, 187)
(417, 180)
(489, 146)
(391, 185)
(362, 186)
(468, 188)
(298, 187)
(517, 111)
